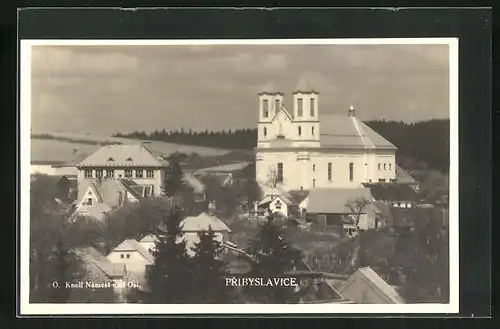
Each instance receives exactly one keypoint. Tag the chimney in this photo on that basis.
(352, 112)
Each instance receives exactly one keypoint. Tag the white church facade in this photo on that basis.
(305, 149)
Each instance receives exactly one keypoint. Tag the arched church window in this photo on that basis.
(265, 131)
(300, 130)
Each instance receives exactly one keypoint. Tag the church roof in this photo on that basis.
(350, 132)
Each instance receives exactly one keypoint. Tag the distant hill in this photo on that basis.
(420, 144)
(65, 146)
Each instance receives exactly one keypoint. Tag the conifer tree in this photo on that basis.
(170, 279)
(174, 178)
(210, 270)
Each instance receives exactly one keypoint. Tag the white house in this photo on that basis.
(133, 255)
(115, 175)
(193, 225)
(304, 149)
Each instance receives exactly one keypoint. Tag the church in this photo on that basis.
(303, 149)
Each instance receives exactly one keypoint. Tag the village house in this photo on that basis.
(289, 204)
(365, 286)
(115, 175)
(330, 207)
(133, 254)
(98, 269)
(193, 225)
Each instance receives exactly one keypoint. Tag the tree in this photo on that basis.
(170, 279)
(210, 270)
(272, 177)
(356, 207)
(252, 190)
(53, 238)
(174, 178)
(272, 257)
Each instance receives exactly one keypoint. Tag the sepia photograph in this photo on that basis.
(316, 175)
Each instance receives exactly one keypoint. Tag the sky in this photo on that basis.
(106, 89)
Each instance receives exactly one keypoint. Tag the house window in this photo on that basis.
(90, 201)
(265, 131)
(379, 167)
(98, 173)
(314, 167)
(139, 173)
(300, 130)
(128, 256)
(88, 173)
(312, 106)
(390, 166)
(385, 166)
(277, 105)
(351, 171)
(110, 173)
(122, 256)
(330, 171)
(265, 108)
(312, 131)
(277, 205)
(314, 183)
(280, 172)
(128, 173)
(150, 173)
(299, 107)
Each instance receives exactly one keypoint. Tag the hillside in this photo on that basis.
(420, 144)
(65, 146)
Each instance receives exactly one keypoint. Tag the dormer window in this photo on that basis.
(129, 159)
(111, 159)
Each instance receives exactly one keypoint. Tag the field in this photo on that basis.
(61, 146)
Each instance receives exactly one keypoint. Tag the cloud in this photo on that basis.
(105, 89)
(60, 59)
(275, 62)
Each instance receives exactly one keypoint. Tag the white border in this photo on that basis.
(27, 308)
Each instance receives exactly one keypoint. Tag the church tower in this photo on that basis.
(270, 102)
(306, 116)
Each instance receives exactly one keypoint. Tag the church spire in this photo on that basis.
(304, 85)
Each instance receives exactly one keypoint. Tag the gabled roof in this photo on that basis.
(367, 278)
(133, 245)
(334, 200)
(126, 155)
(392, 192)
(91, 256)
(107, 190)
(149, 238)
(404, 177)
(194, 183)
(202, 222)
(349, 132)
(282, 109)
(97, 211)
